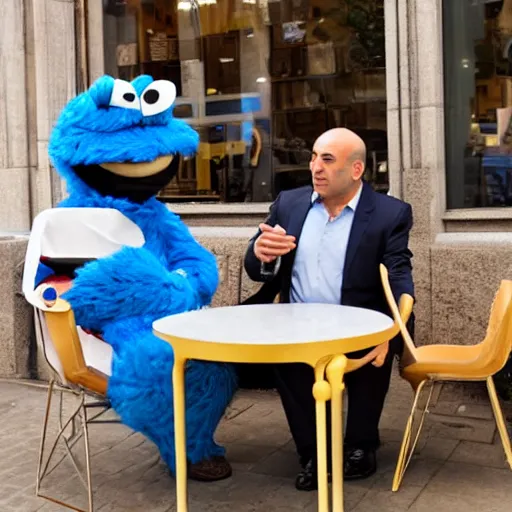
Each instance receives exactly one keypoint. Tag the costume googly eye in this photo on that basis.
(124, 95)
(157, 97)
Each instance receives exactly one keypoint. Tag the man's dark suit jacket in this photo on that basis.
(379, 234)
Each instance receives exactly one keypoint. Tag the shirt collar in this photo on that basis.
(352, 204)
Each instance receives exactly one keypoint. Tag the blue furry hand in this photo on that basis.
(131, 282)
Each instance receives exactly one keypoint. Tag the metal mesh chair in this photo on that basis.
(79, 362)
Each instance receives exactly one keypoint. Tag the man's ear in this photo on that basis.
(357, 169)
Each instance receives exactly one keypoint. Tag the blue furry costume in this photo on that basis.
(121, 295)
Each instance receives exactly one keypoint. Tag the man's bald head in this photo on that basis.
(351, 144)
(338, 163)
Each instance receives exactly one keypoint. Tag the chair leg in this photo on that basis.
(43, 436)
(43, 470)
(75, 435)
(406, 450)
(500, 421)
(83, 415)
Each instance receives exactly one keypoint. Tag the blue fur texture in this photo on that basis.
(88, 133)
(121, 295)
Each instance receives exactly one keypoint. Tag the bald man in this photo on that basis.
(324, 244)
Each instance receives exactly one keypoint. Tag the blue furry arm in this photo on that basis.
(131, 282)
(199, 264)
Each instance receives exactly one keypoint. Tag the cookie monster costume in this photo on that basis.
(116, 145)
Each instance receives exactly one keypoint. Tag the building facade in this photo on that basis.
(426, 83)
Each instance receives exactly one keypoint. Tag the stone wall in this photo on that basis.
(416, 133)
(14, 153)
(37, 51)
(466, 272)
(15, 314)
(18, 358)
(229, 245)
(467, 269)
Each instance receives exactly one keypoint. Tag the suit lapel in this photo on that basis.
(298, 211)
(362, 218)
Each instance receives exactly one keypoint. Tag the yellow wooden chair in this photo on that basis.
(433, 363)
(79, 362)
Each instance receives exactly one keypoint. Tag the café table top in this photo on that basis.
(273, 324)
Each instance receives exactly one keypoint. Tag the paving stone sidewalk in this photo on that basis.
(451, 473)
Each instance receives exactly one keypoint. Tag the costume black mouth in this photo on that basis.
(138, 190)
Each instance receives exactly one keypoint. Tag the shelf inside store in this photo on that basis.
(176, 198)
(277, 80)
(291, 167)
(375, 99)
(293, 110)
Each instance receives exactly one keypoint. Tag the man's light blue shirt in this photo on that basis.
(317, 274)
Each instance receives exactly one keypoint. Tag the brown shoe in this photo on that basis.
(210, 470)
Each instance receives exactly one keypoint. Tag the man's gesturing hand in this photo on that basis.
(272, 243)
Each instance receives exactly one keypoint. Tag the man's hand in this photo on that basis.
(376, 357)
(272, 243)
(380, 354)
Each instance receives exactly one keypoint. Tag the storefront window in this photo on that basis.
(260, 80)
(478, 102)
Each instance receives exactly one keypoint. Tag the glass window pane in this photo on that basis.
(478, 102)
(260, 80)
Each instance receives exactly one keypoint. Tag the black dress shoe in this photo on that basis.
(359, 464)
(307, 479)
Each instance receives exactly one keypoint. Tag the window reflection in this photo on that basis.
(478, 102)
(259, 80)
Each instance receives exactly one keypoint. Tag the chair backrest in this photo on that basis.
(497, 344)
(74, 233)
(77, 233)
(400, 315)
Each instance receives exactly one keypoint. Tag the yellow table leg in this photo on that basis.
(335, 372)
(180, 435)
(322, 393)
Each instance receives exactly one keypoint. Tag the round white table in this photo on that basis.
(316, 334)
